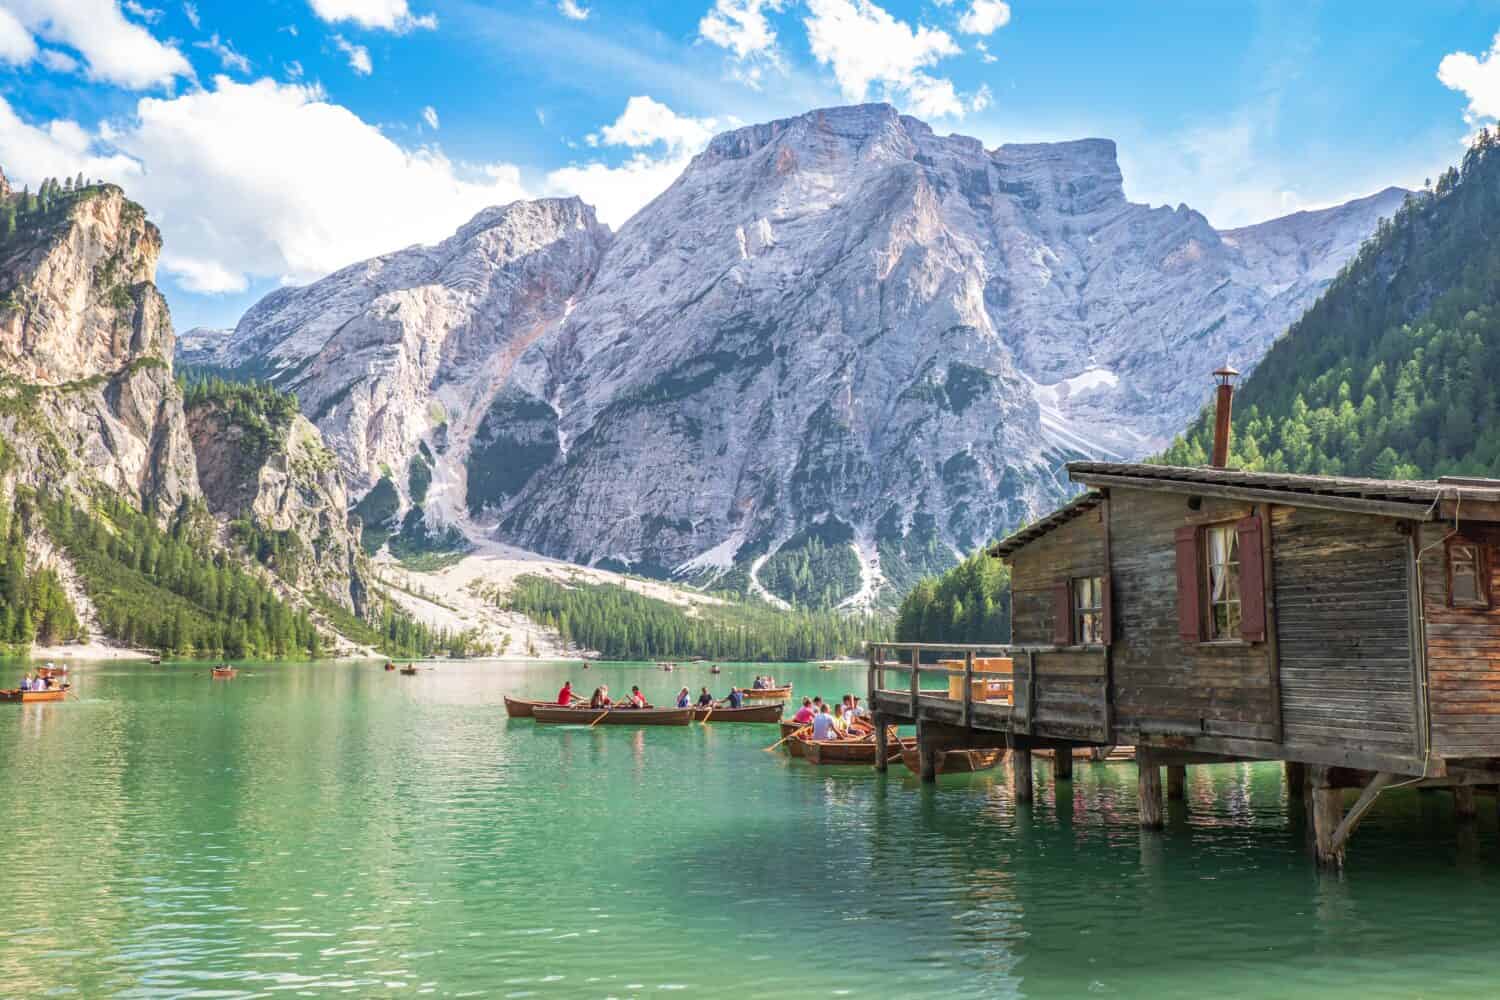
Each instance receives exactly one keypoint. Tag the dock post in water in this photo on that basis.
(1465, 808)
(1296, 777)
(1020, 769)
(1328, 813)
(882, 745)
(1176, 779)
(1062, 763)
(927, 753)
(1149, 786)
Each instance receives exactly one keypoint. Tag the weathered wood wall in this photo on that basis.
(1070, 694)
(1162, 683)
(1343, 605)
(1463, 657)
(1074, 549)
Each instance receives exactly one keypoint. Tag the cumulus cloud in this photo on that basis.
(228, 57)
(16, 44)
(661, 142)
(984, 17)
(573, 10)
(263, 180)
(740, 28)
(1478, 78)
(868, 49)
(390, 15)
(430, 116)
(59, 61)
(984, 52)
(359, 56)
(114, 50)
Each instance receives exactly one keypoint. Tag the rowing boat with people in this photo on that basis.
(50, 694)
(520, 708)
(768, 694)
(850, 751)
(749, 713)
(224, 673)
(954, 761)
(612, 716)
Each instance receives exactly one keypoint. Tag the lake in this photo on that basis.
(336, 830)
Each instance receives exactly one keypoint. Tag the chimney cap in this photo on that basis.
(1226, 372)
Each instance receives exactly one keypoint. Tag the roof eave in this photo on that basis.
(1415, 511)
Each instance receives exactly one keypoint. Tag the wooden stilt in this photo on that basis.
(1176, 780)
(1062, 764)
(1020, 770)
(1296, 777)
(1464, 805)
(927, 754)
(1149, 785)
(1328, 813)
(882, 748)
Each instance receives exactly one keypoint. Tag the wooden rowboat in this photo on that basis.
(224, 672)
(613, 716)
(767, 694)
(749, 713)
(520, 708)
(409, 671)
(954, 761)
(849, 751)
(16, 694)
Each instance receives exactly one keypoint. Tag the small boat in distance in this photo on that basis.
(389, 665)
(612, 716)
(768, 694)
(51, 694)
(954, 761)
(224, 672)
(715, 669)
(409, 670)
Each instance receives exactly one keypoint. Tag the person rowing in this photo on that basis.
(823, 726)
(566, 697)
(636, 699)
(735, 698)
(705, 700)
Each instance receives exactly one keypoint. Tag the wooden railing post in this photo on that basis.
(968, 689)
(916, 679)
(872, 654)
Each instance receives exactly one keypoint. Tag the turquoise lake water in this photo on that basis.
(335, 830)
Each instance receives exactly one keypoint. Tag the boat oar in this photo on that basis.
(790, 735)
(601, 717)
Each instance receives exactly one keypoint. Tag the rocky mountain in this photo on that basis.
(840, 347)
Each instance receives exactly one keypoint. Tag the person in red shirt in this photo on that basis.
(565, 696)
(637, 699)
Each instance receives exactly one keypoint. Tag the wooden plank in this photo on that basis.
(1273, 651)
(1354, 505)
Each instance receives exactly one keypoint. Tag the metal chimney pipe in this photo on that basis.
(1225, 377)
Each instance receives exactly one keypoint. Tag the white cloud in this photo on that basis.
(391, 15)
(984, 52)
(359, 56)
(430, 116)
(1478, 77)
(740, 27)
(663, 143)
(984, 17)
(190, 11)
(868, 48)
(294, 69)
(16, 44)
(114, 50)
(59, 61)
(263, 180)
(226, 53)
(148, 14)
(573, 10)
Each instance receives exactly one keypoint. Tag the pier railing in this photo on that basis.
(992, 684)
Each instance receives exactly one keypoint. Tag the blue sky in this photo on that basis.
(276, 140)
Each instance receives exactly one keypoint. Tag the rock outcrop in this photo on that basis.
(86, 390)
(839, 330)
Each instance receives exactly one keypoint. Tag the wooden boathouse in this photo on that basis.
(1348, 627)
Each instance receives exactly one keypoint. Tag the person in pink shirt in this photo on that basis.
(805, 713)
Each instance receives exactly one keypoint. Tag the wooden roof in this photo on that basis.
(1078, 505)
(1413, 498)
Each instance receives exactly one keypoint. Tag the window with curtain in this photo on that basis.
(1468, 576)
(1088, 610)
(1221, 555)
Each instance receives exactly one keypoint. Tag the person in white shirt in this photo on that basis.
(823, 727)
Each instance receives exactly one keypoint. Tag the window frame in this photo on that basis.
(1485, 600)
(1080, 613)
(1207, 632)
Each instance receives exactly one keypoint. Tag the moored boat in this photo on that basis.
(768, 694)
(749, 713)
(612, 716)
(224, 672)
(409, 671)
(954, 761)
(51, 694)
(520, 708)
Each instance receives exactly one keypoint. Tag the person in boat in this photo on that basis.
(636, 699)
(840, 722)
(760, 683)
(600, 698)
(26, 683)
(855, 708)
(684, 698)
(805, 713)
(769, 682)
(735, 698)
(565, 696)
(705, 700)
(823, 726)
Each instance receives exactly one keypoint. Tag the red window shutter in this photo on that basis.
(1189, 619)
(1106, 613)
(1062, 611)
(1252, 581)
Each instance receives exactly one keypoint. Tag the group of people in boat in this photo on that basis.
(764, 683)
(40, 681)
(840, 722)
(568, 698)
